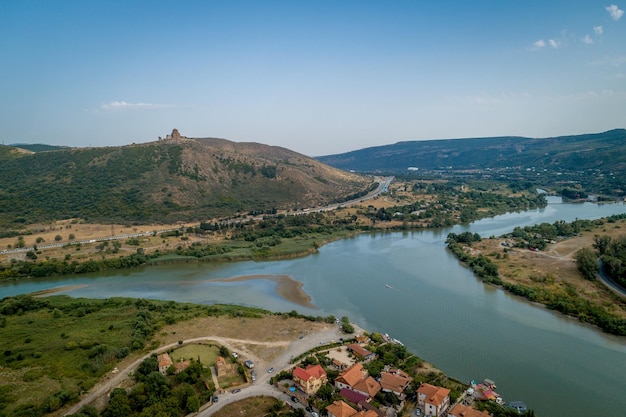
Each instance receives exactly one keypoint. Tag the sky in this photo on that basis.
(318, 77)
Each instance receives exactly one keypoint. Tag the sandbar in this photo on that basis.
(287, 287)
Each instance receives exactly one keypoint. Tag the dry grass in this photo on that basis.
(248, 407)
(556, 264)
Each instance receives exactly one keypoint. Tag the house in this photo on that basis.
(360, 352)
(365, 406)
(356, 378)
(220, 364)
(435, 400)
(340, 409)
(164, 362)
(351, 376)
(353, 396)
(395, 381)
(460, 410)
(368, 386)
(311, 379)
(181, 366)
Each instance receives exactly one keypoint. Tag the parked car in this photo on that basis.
(295, 399)
(314, 414)
(215, 399)
(309, 408)
(270, 370)
(235, 355)
(236, 390)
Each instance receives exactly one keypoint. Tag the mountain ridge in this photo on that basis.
(175, 179)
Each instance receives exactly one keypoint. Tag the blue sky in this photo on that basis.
(319, 77)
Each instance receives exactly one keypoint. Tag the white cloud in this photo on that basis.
(598, 30)
(122, 105)
(554, 43)
(614, 11)
(539, 44)
(587, 40)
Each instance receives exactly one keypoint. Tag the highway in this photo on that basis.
(383, 186)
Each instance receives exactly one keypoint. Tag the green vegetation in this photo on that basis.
(589, 164)
(55, 348)
(612, 252)
(155, 394)
(564, 297)
(160, 182)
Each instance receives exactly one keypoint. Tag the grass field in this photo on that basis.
(205, 353)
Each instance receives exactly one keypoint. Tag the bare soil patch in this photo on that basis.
(248, 407)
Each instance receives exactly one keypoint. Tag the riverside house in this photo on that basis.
(395, 381)
(435, 400)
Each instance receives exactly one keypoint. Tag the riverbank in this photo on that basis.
(550, 277)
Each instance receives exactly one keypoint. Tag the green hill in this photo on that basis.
(169, 180)
(603, 150)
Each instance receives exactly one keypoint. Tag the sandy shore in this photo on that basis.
(55, 290)
(286, 287)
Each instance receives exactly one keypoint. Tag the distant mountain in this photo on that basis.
(605, 151)
(165, 181)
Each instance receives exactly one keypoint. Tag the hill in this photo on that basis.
(175, 179)
(38, 147)
(591, 151)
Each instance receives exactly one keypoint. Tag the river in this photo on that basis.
(435, 306)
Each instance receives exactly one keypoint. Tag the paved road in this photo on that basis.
(608, 281)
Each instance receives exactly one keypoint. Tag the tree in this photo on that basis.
(71, 236)
(58, 238)
(119, 405)
(587, 263)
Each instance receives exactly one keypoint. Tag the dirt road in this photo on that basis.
(289, 349)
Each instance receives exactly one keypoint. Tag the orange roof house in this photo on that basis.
(356, 378)
(351, 376)
(368, 386)
(435, 400)
(220, 364)
(360, 352)
(340, 409)
(181, 366)
(394, 381)
(311, 379)
(460, 410)
(164, 362)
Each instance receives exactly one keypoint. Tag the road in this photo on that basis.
(259, 387)
(608, 281)
(383, 186)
